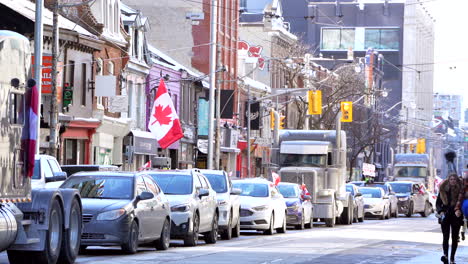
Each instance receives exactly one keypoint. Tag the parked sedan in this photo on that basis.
(412, 198)
(299, 207)
(262, 206)
(358, 202)
(375, 202)
(122, 209)
(391, 196)
(228, 203)
(194, 209)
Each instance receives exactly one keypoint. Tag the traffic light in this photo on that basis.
(272, 119)
(346, 111)
(281, 124)
(411, 148)
(421, 146)
(315, 102)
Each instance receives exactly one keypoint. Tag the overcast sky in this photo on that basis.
(451, 41)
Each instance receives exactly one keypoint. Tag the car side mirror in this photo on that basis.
(58, 176)
(358, 194)
(203, 192)
(307, 197)
(146, 196)
(236, 191)
(385, 196)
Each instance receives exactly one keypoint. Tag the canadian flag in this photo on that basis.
(147, 165)
(29, 134)
(304, 190)
(164, 122)
(276, 178)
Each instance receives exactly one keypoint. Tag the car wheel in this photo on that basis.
(191, 240)
(330, 222)
(164, 240)
(427, 210)
(389, 212)
(131, 245)
(227, 233)
(82, 250)
(382, 217)
(301, 225)
(236, 229)
(361, 219)
(282, 229)
(396, 213)
(311, 221)
(410, 210)
(271, 229)
(212, 236)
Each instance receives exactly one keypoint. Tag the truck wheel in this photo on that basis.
(330, 222)
(54, 236)
(347, 215)
(72, 236)
(131, 245)
(20, 257)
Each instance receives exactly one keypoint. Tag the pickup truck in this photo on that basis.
(47, 172)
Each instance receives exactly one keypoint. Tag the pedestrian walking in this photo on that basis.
(450, 215)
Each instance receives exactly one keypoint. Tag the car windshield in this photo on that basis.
(371, 193)
(401, 187)
(288, 191)
(411, 172)
(303, 160)
(252, 189)
(174, 183)
(218, 182)
(383, 186)
(101, 187)
(350, 189)
(37, 168)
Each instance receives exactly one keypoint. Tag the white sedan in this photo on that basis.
(376, 203)
(262, 206)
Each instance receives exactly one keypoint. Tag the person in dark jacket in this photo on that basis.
(451, 216)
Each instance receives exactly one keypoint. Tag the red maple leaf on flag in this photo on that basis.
(162, 116)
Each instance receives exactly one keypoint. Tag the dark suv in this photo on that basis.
(412, 198)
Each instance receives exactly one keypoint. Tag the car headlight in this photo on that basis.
(403, 199)
(222, 202)
(294, 206)
(260, 208)
(111, 215)
(180, 208)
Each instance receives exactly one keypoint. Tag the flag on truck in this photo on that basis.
(29, 135)
(164, 122)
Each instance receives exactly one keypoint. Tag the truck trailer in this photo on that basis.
(36, 225)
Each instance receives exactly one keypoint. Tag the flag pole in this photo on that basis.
(38, 30)
(211, 117)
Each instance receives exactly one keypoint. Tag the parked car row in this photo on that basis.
(389, 199)
(152, 207)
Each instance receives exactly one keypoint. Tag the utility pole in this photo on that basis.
(248, 131)
(213, 33)
(38, 30)
(218, 107)
(53, 106)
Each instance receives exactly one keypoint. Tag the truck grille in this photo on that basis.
(92, 236)
(87, 218)
(245, 212)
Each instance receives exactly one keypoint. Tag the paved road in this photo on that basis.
(403, 241)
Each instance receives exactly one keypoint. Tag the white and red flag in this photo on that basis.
(304, 190)
(147, 165)
(276, 178)
(29, 134)
(164, 122)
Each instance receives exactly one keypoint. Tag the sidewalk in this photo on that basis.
(434, 257)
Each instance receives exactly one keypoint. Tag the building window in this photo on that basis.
(130, 99)
(337, 38)
(99, 71)
(110, 68)
(135, 43)
(383, 39)
(116, 17)
(83, 83)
